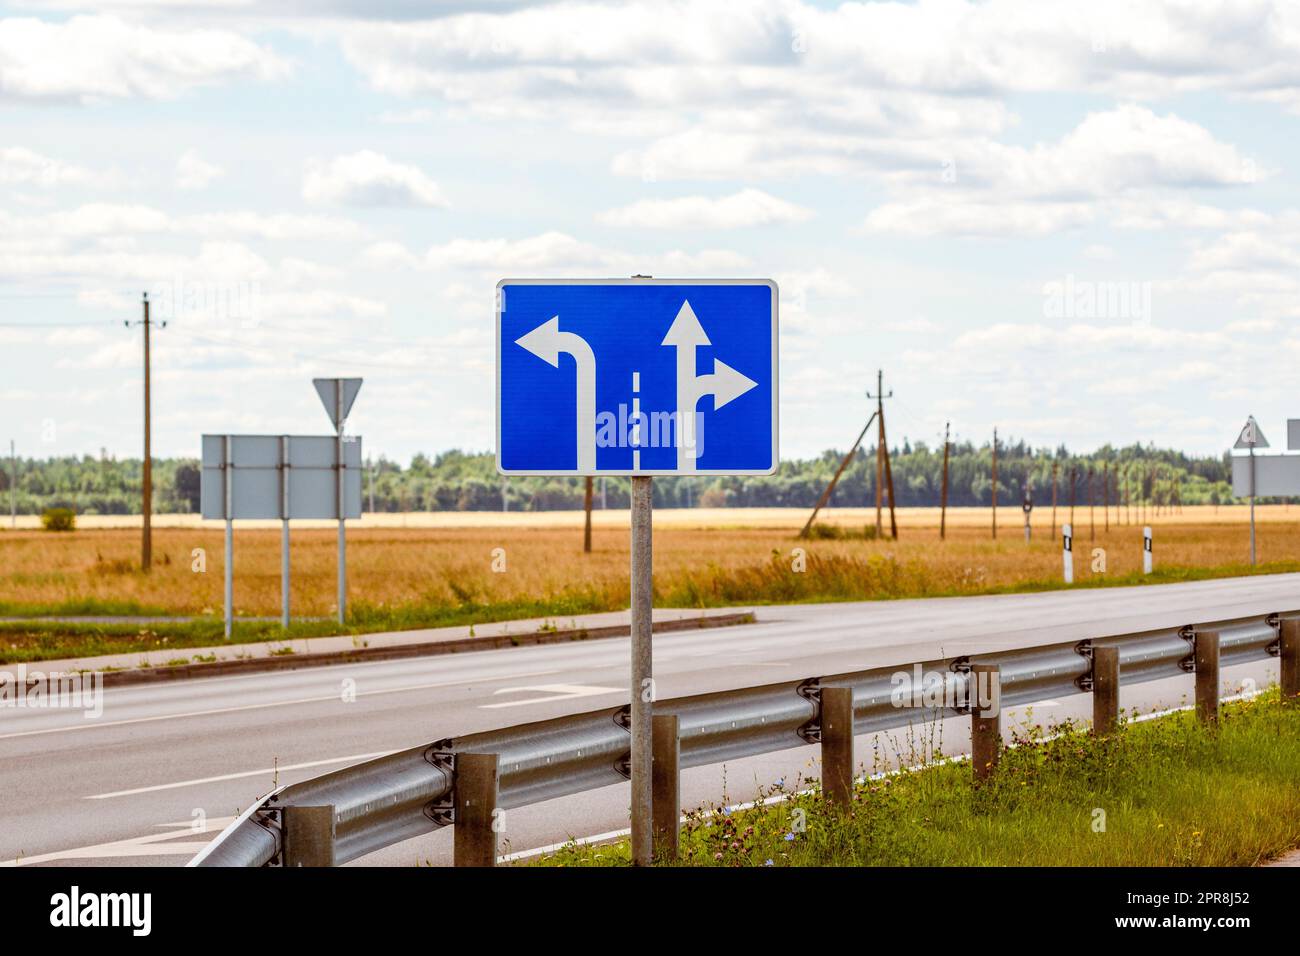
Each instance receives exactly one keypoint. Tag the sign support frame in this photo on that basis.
(229, 568)
(284, 531)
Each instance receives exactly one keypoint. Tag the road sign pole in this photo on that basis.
(642, 671)
(284, 531)
(1252, 506)
(230, 535)
(343, 547)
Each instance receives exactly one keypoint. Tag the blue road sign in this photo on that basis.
(636, 376)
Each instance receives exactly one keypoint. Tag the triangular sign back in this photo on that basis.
(1251, 436)
(326, 388)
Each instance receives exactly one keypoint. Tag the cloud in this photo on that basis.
(88, 58)
(193, 172)
(25, 167)
(367, 178)
(782, 84)
(957, 215)
(121, 223)
(749, 207)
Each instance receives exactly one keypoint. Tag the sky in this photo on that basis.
(1077, 223)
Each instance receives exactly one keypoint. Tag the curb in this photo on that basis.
(255, 665)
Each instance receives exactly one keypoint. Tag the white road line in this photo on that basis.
(355, 758)
(554, 692)
(149, 845)
(95, 725)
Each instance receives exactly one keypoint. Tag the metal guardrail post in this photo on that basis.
(837, 745)
(985, 730)
(1105, 690)
(475, 837)
(1289, 641)
(1207, 676)
(308, 836)
(666, 777)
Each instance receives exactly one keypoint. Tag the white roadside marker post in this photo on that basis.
(1146, 550)
(1067, 552)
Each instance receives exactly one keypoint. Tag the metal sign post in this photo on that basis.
(337, 395)
(1146, 550)
(228, 476)
(603, 377)
(1067, 551)
(1251, 438)
(642, 667)
(1028, 507)
(284, 531)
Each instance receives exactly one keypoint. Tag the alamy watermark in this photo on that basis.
(38, 690)
(954, 690)
(232, 302)
(1074, 298)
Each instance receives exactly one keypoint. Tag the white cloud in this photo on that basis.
(194, 172)
(25, 167)
(749, 207)
(957, 215)
(87, 58)
(367, 178)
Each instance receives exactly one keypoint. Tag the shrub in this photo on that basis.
(59, 519)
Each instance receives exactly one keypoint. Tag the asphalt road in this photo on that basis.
(167, 765)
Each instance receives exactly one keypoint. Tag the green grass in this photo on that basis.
(1169, 792)
(31, 640)
(880, 577)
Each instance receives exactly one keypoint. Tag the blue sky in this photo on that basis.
(307, 193)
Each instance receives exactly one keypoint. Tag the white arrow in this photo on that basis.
(547, 342)
(725, 384)
(554, 692)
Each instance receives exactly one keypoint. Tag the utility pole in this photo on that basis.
(1055, 466)
(995, 484)
(884, 473)
(830, 488)
(146, 504)
(943, 494)
(1105, 493)
(586, 504)
(1092, 509)
(1074, 482)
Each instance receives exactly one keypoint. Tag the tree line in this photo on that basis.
(461, 481)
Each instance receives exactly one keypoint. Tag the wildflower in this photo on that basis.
(789, 838)
(768, 862)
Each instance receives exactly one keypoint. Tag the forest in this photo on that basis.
(462, 481)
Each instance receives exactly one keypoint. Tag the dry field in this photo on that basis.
(701, 558)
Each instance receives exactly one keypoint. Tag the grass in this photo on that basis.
(1164, 792)
(404, 578)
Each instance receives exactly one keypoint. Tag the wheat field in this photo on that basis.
(701, 558)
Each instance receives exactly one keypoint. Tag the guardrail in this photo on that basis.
(349, 813)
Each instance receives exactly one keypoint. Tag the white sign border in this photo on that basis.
(645, 473)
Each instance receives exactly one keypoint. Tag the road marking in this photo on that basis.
(95, 725)
(554, 692)
(355, 758)
(149, 845)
